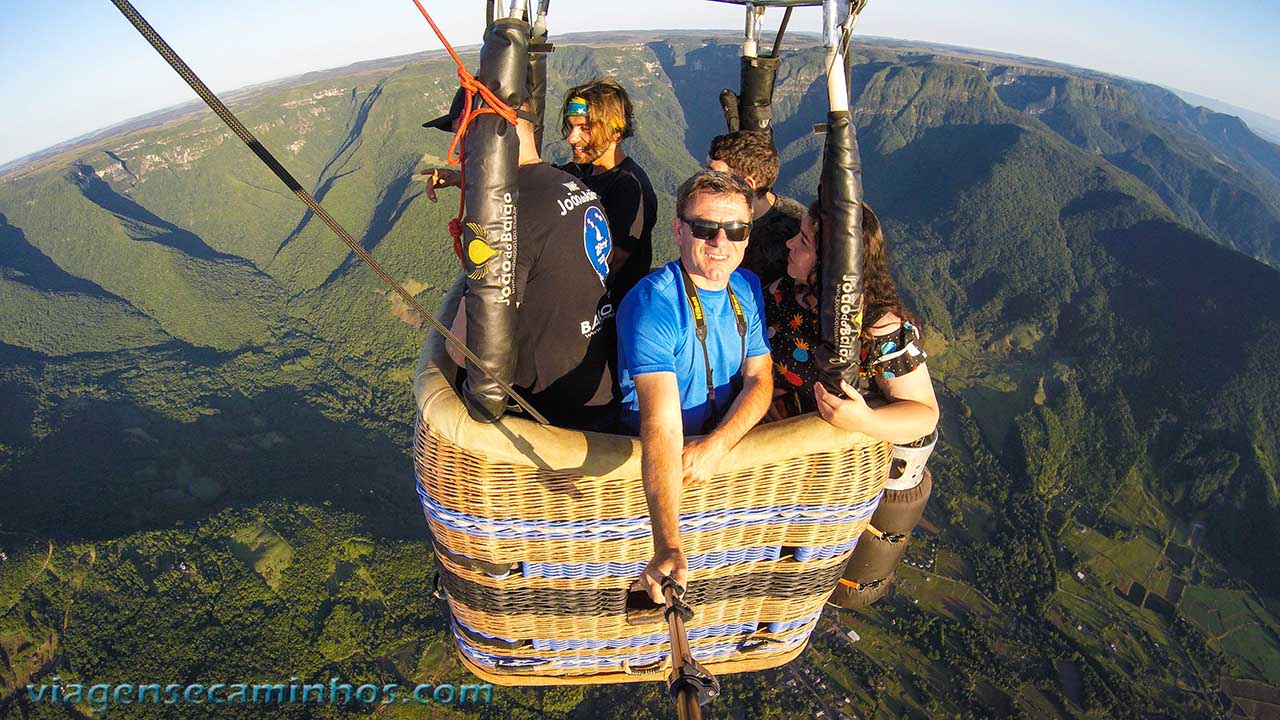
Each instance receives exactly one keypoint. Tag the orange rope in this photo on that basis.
(472, 86)
(493, 106)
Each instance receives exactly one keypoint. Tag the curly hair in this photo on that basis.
(879, 291)
(748, 153)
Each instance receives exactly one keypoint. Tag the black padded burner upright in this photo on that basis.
(491, 156)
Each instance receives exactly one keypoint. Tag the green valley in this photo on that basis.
(206, 433)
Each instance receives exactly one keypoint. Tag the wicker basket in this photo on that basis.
(540, 531)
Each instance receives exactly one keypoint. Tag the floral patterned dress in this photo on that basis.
(793, 332)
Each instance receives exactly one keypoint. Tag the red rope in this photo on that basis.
(493, 106)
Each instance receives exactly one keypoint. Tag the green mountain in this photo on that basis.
(45, 307)
(1267, 127)
(205, 444)
(1209, 168)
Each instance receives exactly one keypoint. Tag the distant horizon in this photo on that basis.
(88, 136)
(84, 67)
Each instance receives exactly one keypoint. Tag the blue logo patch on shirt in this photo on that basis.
(596, 241)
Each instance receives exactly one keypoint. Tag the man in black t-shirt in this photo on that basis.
(596, 118)
(775, 219)
(564, 319)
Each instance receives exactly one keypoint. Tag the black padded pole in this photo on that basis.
(755, 99)
(491, 156)
(751, 108)
(840, 301)
(538, 49)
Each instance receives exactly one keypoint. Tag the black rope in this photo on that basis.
(166, 52)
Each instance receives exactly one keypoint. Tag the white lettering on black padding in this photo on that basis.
(850, 307)
(508, 247)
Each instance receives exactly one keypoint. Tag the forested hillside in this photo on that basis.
(204, 447)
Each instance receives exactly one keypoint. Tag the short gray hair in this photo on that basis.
(710, 182)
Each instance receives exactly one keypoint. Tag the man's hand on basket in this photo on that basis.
(665, 563)
(700, 458)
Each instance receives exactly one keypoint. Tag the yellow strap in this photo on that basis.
(862, 587)
(881, 535)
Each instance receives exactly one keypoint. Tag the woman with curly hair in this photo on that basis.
(894, 398)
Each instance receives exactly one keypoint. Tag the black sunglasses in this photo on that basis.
(707, 230)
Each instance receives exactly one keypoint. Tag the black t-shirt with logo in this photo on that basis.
(632, 207)
(565, 331)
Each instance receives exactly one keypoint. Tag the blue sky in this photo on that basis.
(73, 66)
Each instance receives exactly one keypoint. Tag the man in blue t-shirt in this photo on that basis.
(693, 359)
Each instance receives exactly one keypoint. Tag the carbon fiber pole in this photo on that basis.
(220, 109)
(782, 32)
(691, 685)
(686, 696)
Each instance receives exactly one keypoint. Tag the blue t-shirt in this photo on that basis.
(656, 333)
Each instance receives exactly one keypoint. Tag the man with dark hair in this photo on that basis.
(564, 321)
(752, 156)
(596, 118)
(693, 358)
